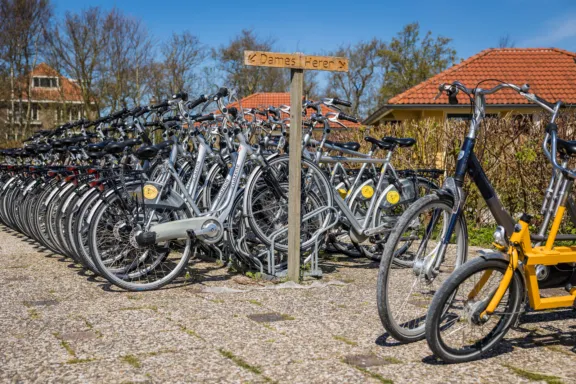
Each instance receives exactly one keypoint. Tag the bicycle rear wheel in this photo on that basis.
(266, 203)
(120, 259)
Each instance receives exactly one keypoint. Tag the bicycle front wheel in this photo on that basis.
(454, 330)
(404, 293)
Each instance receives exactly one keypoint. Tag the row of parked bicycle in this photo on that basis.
(133, 196)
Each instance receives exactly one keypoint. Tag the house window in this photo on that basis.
(74, 114)
(466, 116)
(34, 112)
(46, 82)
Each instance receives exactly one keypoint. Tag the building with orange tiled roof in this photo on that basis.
(550, 72)
(275, 99)
(54, 99)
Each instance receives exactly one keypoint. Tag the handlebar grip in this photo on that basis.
(194, 103)
(343, 103)
(134, 110)
(151, 124)
(222, 92)
(162, 104)
(208, 117)
(548, 104)
(166, 119)
(343, 116)
(312, 106)
(274, 111)
(119, 113)
(181, 95)
(233, 111)
(142, 111)
(261, 113)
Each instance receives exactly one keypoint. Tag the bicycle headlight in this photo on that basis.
(500, 237)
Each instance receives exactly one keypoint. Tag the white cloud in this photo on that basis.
(555, 31)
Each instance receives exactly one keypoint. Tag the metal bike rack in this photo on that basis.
(281, 269)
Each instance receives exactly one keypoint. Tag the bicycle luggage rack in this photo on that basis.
(281, 269)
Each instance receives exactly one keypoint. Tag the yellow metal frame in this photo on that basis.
(521, 250)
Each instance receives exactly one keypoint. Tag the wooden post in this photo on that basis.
(297, 63)
(294, 188)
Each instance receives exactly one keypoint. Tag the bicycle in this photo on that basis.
(438, 222)
(484, 296)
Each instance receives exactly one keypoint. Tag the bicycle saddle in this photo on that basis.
(118, 147)
(566, 147)
(379, 143)
(351, 145)
(96, 155)
(74, 149)
(43, 148)
(97, 147)
(401, 142)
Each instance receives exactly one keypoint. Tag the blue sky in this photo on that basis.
(321, 26)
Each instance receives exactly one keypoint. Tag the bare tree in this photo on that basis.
(127, 54)
(21, 34)
(183, 54)
(358, 85)
(506, 42)
(230, 60)
(311, 86)
(77, 46)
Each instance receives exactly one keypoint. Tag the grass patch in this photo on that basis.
(255, 302)
(79, 361)
(345, 340)
(254, 275)
(288, 317)
(392, 360)
(160, 352)
(480, 236)
(559, 349)
(243, 364)
(373, 375)
(134, 297)
(132, 360)
(67, 347)
(534, 376)
(268, 326)
(150, 307)
(33, 314)
(217, 301)
(190, 332)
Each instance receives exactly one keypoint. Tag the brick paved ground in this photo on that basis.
(58, 324)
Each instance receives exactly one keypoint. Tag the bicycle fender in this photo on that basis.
(503, 257)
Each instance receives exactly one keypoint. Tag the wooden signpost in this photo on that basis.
(297, 63)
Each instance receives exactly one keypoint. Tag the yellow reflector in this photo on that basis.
(150, 192)
(342, 193)
(367, 191)
(393, 197)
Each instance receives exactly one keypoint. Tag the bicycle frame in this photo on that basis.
(208, 226)
(522, 251)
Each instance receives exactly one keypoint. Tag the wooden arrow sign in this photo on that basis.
(295, 61)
